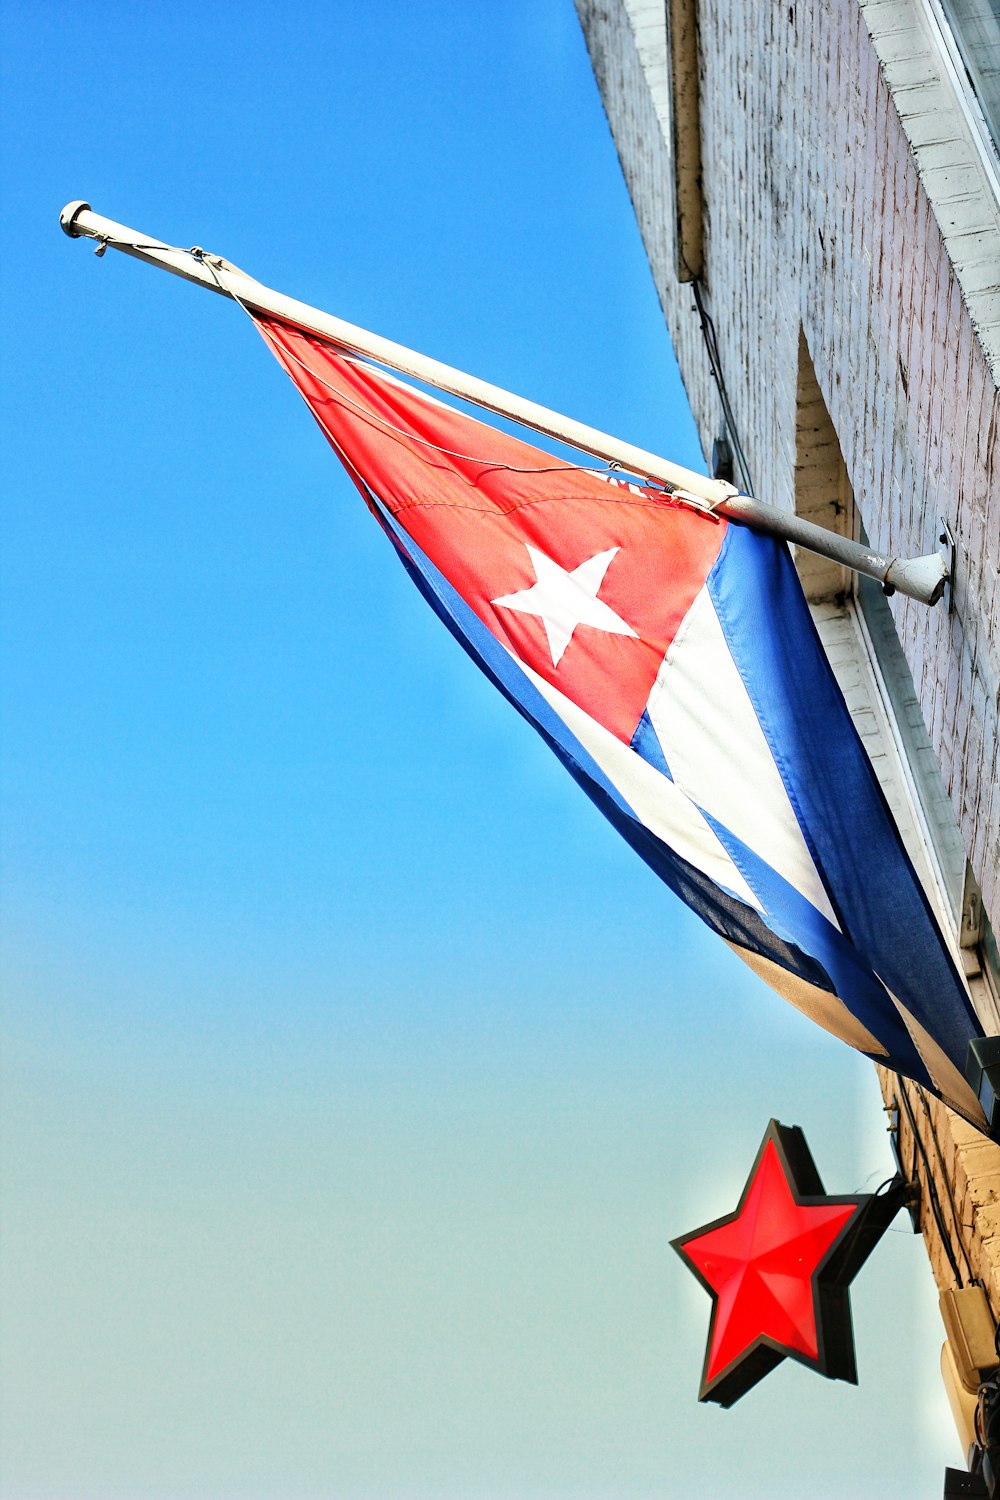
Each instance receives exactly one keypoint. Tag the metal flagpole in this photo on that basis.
(921, 578)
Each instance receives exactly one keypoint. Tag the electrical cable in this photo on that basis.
(947, 1182)
(932, 1195)
(712, 348)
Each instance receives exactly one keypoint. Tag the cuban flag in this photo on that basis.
(669, 659)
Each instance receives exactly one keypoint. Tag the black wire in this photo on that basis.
(860, 1225)
(714, 359)
(883, 1186)
(947, 1182)
(935, 1202)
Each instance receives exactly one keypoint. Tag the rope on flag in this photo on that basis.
(668, 657)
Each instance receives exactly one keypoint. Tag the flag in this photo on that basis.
(669, 659)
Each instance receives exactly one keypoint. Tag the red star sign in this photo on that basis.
(778, 1270)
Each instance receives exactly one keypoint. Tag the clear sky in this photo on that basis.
(356, 1076)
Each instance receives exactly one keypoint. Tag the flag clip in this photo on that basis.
(695, 502)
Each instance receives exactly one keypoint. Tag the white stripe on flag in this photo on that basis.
(654, 798)
(717, 753)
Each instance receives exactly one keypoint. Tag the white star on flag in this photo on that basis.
(563, 600)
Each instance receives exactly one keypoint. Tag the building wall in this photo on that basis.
(852, 270)
(818, 220)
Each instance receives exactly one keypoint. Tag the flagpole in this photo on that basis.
(921, 578)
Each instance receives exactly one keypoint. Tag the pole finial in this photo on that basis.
(68, 214)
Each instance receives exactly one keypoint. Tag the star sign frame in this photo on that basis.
(779, 1267)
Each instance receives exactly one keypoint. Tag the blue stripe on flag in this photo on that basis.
(797, 921)
(723, 912)
(834, 791)
(646, 742)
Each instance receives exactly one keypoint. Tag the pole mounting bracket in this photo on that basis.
(947, 539)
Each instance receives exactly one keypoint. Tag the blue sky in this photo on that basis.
(355, 1076)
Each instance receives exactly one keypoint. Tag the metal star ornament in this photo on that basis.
(779, 1268)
